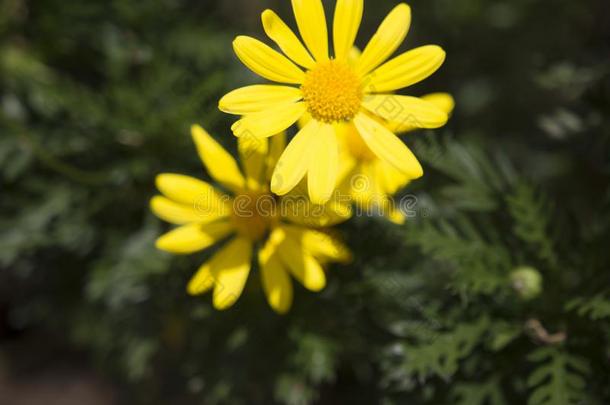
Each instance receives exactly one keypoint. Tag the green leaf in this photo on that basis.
(596, 307)
(530, 212)
(441, 356)
(486, 393)
(558, 378)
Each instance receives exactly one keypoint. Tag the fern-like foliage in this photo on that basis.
(441, 356)
(530, 213)
(485, 393)
(478, 178)
(596, 307)
(480, 260)
(474, 247)
(559, 378)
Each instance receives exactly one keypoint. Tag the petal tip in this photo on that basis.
(235, 128)
(267, 16)
(198, 287)
(238, 43)
(276, 188)
(418, 172)
(403, 7)
(316, 286)
(222, 105)
(191, 289)
(443, 54)
(397, 218)
(154, 203)
(160, 179)
(222, 304)
(161, 244)
(197, 132)
(280, 309)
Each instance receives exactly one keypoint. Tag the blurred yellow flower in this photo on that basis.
(332, 91)
(286, 232)
(370, 181)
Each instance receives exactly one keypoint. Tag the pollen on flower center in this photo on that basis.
(254, 214)
(332, 91)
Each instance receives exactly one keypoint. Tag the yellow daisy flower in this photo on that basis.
(332, 91)
(370, 181)
(280, 230)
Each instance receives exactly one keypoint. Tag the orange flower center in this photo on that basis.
(332, 91)
(254, 214)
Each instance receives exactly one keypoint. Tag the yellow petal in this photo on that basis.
(202, 281)
(347, 162)
(386, 40)
(353, 56)
(275, 239)
(374, 200)
(320, 244)
(385, 145)
(194, 193)
(179, 214)
(269, 122)
(220, 164)
(323, 170)
(230, 267)
(275, 279)
(391, 179)
(406, 69)
(303, 266)
(382, 172)
(193, 237)
(348, 15)
(312, 26)
(396, 216)
(259, 97)
(288, 42)
(277, 284)
(363, 187)
(276, 147)
(298, 209)
(294, 161)
(253, 154)
(405, 110)
(305, 118)
(444, 101)
(266, 62)
(353, 145)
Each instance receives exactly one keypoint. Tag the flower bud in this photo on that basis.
(527, 282)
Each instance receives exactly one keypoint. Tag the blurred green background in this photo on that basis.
(96, 98)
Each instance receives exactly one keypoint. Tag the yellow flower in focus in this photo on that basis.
(333, 92)
(286, 233)
(370, 181)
